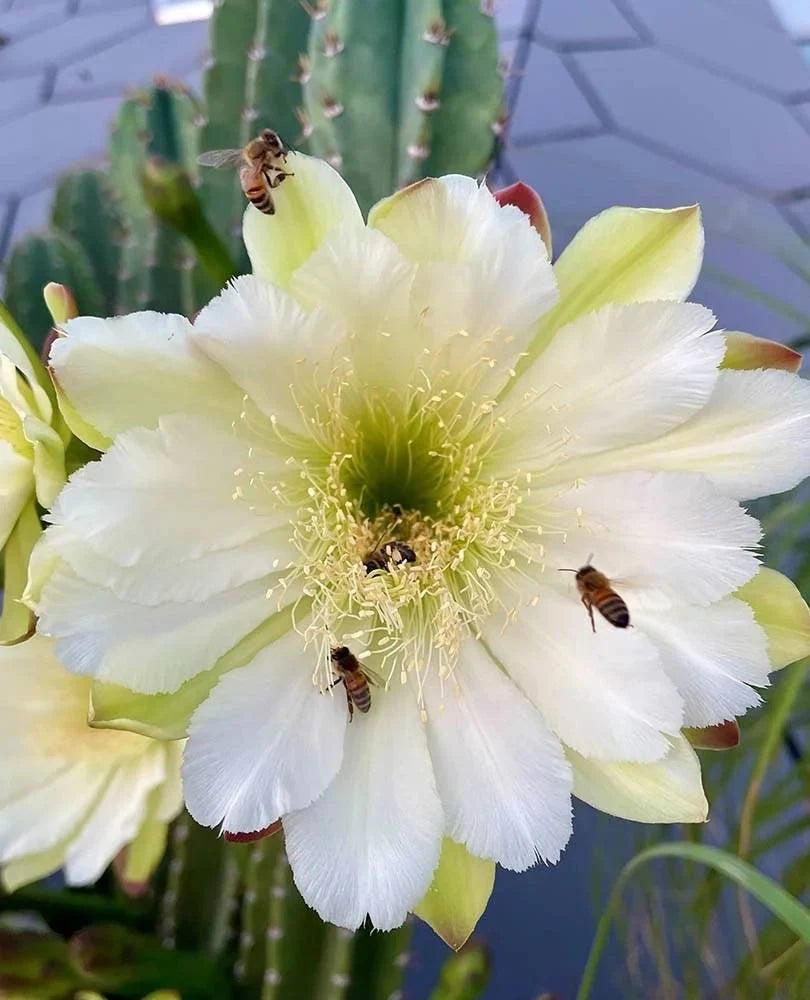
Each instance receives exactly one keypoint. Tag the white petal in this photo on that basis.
(265, 742)
(623, 374)
(150, 649)
(115, 818)
(195, 537)
(664, 791)
(502, 778)
(308, 205)
(42, 816)
(129, 371)
(371, 842)
(273, 349)
(711, 655)
(603, 693)
(659, 537)
(359, 276)
(751, 439)
(484, 278)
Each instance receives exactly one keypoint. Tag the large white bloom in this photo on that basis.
(72, 797)
(398, 381)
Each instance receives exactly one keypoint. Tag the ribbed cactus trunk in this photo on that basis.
(402, 90)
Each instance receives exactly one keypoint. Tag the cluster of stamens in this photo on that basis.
(379, 471)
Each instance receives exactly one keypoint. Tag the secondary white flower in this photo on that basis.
(32, 466)
(413, 380)
(72, 797)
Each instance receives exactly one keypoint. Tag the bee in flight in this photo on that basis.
(263, 167)
(595, 591)
(354, 677)
(392, 552)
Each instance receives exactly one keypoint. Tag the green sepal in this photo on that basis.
(781, 612)
(458, 894)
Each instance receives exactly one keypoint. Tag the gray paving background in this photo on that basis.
(658, 102)
(641, 102)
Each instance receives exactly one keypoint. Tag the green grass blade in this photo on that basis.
(780, 903)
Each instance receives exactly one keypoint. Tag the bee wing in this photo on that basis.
(220, 158)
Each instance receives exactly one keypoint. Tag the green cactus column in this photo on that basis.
(402, 90)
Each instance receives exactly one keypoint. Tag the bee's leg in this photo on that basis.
(589, 608)
(350, 704)
(334, 682)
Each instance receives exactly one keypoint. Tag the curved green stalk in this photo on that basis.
(789, 910)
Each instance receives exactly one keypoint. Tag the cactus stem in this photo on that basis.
(168, 908)
(249, 114)
(428, 101)
(488, 8)
(418, 152)
(279, 888)
(335, 160)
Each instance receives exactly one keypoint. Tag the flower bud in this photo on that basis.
(60, 302)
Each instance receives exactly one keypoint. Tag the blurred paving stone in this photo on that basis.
(510, 16)
(756, 10)
(749, 51)
(22, 20)
(76, 132)
(20, 94)
(735, 132)
(580, 177)
(550, 102)
(76, 37)
(562, 22)
(800, 212)
(174, 49)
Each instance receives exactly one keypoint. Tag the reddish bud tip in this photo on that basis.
(724, 736)
(254, 835)
(531, 204)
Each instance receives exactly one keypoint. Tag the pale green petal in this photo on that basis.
(16, 619)
(16, 487)
(458, 894)
(307, 206)
(625, 255)
(15, 345)
(743, 350)
(664, 791)
(49, 459)
(33, 867)
(782, 613)
(166, 716)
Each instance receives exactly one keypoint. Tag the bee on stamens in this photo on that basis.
(595, 591)
(391, 553)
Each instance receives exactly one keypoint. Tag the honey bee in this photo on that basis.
(392, 552)
(253, 835)
(595, 591)
(263, 167)
(354, 677)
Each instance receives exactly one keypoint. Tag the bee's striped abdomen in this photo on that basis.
(358, 689)
(613, 609)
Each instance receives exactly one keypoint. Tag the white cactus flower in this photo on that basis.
(429, 379)
(72, 797)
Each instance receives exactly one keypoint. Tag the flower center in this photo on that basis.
(410, 476)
